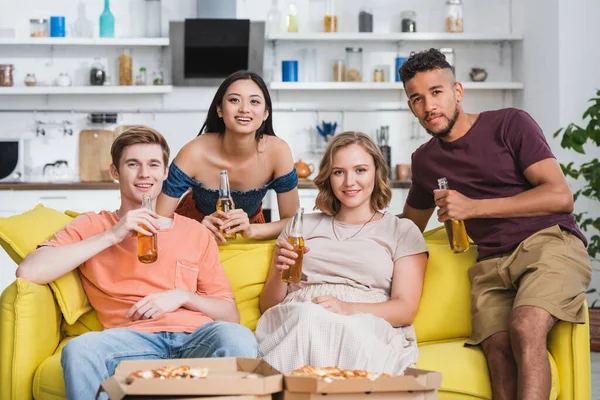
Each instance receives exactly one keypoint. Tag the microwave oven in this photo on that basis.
(12, 160)
(204, 51)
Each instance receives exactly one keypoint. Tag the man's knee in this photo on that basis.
(78, 348)
(529, 326)
(497, 348)
(234, 340)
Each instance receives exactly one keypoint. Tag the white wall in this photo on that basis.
(560, 68)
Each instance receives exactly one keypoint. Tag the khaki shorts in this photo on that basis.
(551, 270)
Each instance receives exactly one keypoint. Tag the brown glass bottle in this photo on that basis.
(147, 245)
(456, 230)
(294, 272)
(225, 202)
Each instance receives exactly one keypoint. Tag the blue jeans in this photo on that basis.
(89, 359)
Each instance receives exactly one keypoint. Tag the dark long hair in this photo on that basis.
(215, 124)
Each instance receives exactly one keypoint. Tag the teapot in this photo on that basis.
(303, 170)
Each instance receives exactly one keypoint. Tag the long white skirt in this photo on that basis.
(298, 332)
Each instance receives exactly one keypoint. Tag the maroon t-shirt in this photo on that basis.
(487, 163)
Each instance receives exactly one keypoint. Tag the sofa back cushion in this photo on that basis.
(246, 264)
(21, 234)
(445, 309)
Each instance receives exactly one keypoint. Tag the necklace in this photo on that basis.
(357, 232)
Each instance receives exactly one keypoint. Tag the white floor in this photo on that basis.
(595, 376)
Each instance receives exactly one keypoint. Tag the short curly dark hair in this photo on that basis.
(426, 60)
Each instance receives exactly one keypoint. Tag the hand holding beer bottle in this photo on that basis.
(456, 230)
(147, 245)
(225, 202)
(293, 273)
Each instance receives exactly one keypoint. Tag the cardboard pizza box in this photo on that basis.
(228, 378)
(415, 384)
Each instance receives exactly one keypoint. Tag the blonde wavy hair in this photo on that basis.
(382, 192)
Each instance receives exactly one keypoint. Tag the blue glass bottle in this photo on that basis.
(107, 21)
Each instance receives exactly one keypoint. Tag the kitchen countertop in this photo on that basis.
(302, 184)
(60, 186)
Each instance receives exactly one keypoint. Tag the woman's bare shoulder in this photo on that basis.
(278, 151)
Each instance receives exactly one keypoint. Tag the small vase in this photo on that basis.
(107, 21)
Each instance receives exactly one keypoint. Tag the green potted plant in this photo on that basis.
(575, 137)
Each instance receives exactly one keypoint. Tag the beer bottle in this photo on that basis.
(225, 202)
(294, 272)
(147, 245)
(456, 230)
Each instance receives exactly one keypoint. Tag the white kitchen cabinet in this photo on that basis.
(18, 201)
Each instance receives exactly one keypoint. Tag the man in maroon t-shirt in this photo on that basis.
(533, 268)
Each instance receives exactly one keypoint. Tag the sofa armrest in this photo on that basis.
(29, 333)
(569, 344)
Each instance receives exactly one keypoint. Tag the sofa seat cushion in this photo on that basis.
(48, 382)
(464, 370)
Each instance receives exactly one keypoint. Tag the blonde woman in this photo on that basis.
(361, 280)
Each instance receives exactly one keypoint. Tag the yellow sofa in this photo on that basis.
(37, 320)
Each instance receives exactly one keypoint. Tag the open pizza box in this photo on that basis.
(415, 384)
(228, 378)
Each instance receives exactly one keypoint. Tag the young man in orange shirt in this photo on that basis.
(180, 306)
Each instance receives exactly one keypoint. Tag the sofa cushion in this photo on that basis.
(464, 370)
(445, 309)
(29, 333)
(21, 234)
(246, 264)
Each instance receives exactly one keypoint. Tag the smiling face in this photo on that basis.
(434, 98)
(243, 107)
(141, 171)
(353, 176)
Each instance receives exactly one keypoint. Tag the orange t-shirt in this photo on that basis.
(114, 279)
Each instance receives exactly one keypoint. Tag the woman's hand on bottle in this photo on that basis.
(130, 224)
(214, 222)
(285, 255)
(236, 221)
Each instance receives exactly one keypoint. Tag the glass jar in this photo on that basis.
(38, 27)
(378, 75)
(365, 20)
(30, 80)
(330, 19)
(339, 71)
(158, 78)
(450, 55)
(354, 62)
(409, 21)
(153, 18)
(125, 69)
(141, 78)
(6, 74)
(273, 25)
(454, 16)
(291, 18)
(97, 73)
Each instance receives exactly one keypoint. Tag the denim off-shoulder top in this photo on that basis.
(178, 182)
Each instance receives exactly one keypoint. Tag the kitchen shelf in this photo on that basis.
(384, 85)
(147, 89)
(397, 37)
(67, 41)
